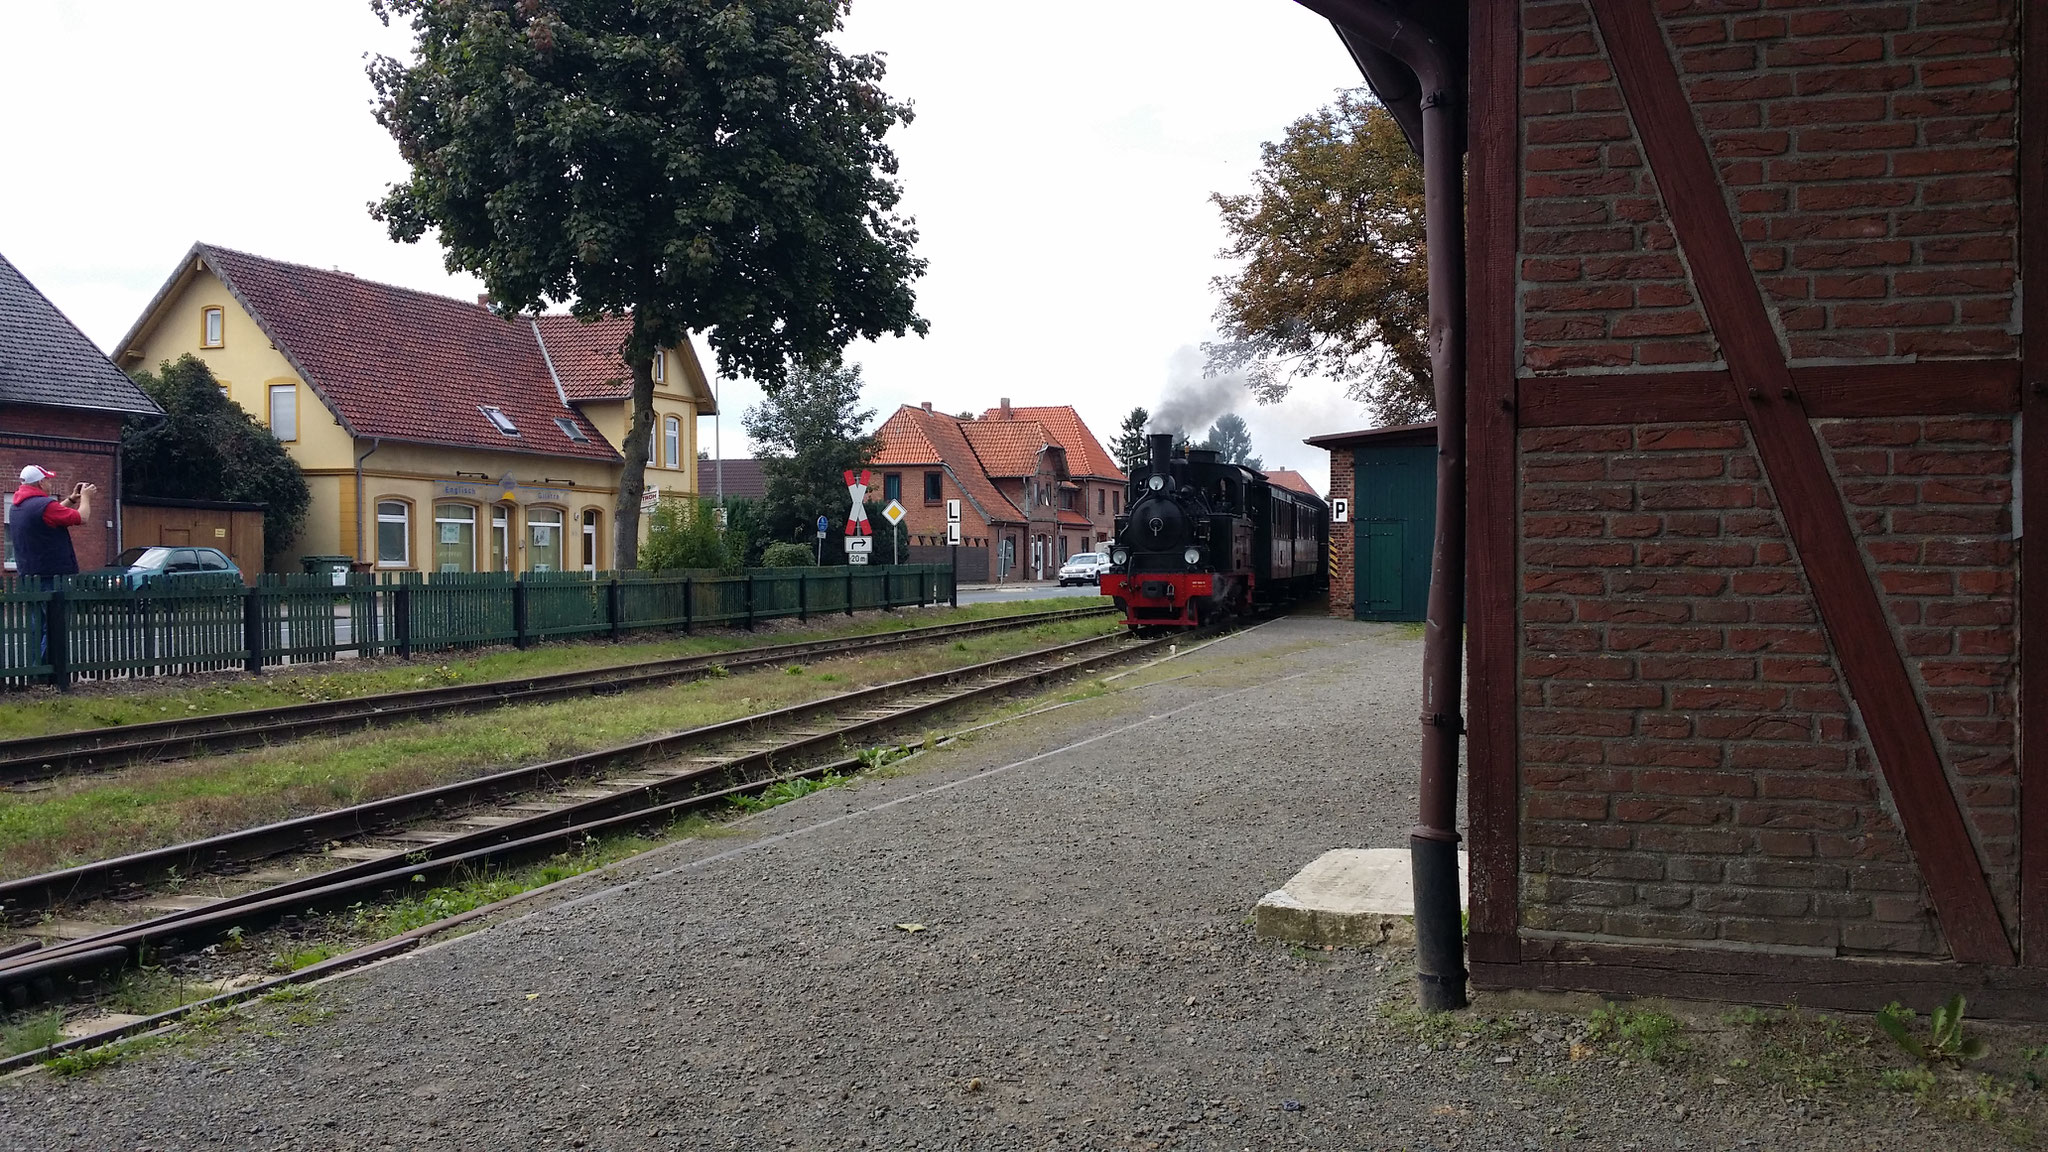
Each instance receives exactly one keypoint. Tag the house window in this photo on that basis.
(1067, 500)
(209, 328)
(544, 539)
(892, 486)
(571, 429)
(501, 538)
(672, 442)
(284, 411)
(1101, 500)
(932, 492)
(653, 447)
(454, 538)
(498, 419)
(1116, 501)
(394, 534)
(590, 540)
(660, 369)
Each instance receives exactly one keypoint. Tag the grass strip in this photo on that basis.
(98, 816)
(44, 711)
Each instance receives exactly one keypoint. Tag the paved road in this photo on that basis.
(989, 593)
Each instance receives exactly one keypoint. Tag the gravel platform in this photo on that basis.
(1085, 975)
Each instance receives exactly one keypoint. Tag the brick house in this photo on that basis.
(1023, 509)
(1095, 485)
(62, 405)
(1750, 457)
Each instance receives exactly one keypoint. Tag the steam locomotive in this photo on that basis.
(1201, 539)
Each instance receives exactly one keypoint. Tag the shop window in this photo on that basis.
(394, 534)
(210, 328)
(284, 411)
(544, 539)
(501, 539)
(454, 538)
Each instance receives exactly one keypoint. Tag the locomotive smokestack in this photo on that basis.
(1162, 449)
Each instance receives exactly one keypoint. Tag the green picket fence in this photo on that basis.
(98, 627)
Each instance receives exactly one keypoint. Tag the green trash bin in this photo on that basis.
(335, 567)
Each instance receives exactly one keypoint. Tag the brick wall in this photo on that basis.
(1866, 148)
(93, 541)
(1343, 551)
(1691, 767)
(1931, 501)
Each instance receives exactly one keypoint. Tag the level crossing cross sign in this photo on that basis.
(857, 518)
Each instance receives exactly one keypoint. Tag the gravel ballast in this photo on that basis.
(1036, 938)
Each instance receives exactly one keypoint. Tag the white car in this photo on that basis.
(1083, 568)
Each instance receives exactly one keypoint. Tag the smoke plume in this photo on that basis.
(1192, 401)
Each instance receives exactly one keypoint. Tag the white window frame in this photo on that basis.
(291, 392)
(470, 520)
(660, 366)
(672, 441)
(213, 327)
(403, 518)
(653, 441)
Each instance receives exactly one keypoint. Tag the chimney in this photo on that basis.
(1006, 410)
(927, 405)
(483, 299)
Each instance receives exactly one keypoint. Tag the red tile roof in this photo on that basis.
(586, 355)
(1008, 447)
(1085, 454)
(1070, 517)
(1289, 478)
(913, 436)
(405, 365)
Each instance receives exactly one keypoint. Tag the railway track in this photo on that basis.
(414, 842)
(97, 749)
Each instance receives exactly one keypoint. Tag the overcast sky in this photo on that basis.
(1059, 170)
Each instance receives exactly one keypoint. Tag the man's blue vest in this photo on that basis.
(39, 550)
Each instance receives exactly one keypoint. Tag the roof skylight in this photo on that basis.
(498, 419)
(571, 430)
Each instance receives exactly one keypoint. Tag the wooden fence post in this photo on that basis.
(519, 639)
(252, 629)
(803, 597)
(750, 601)
(401, 605)
(57, 636)
(615, 607)
(849, 589)
(689, 605)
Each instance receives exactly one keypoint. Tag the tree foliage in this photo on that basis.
(207, 447)
(787, 554)
(1129, 445)
(1334, 281)
(684, 534)
(807, 436)
(1230, 439)
(706, 166)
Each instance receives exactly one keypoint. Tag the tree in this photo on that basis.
(807, 436)
(1334, 281)
(696, 165)
(684, 534)
(1129, 446)
(787, 554)
(1230, 439)
(208, 448)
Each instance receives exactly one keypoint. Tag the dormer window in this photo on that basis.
(570, 429)
(209, 328)
(660, 359)
(498, 419)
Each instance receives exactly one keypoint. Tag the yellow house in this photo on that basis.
(437, 435)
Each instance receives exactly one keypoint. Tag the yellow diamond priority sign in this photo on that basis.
(895, 512)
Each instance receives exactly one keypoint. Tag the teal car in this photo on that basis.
(138, 565)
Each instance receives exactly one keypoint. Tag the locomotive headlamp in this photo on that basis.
(1156, 483)
(1120, 557)
(1193, 556)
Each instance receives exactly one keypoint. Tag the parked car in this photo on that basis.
(1083, 568)
(180, 564)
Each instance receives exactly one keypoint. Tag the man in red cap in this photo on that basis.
(39, 524)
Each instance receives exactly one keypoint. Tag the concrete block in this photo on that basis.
(1357, 897)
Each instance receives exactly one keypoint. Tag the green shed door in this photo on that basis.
(1393, 513)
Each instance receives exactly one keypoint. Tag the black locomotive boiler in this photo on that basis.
(1200, 539)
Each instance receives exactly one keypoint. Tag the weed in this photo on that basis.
(232, 941)
(304, 958)
(2036, 1070)
(93, 1059)
(1945, 1042)
(875, 759)
(1918, 1081)
(793, 670)
(1640, 1033)
(148, 991)
(38, 1031)
(787, 790)
(289, 994)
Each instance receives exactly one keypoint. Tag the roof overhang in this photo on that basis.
(1424, 433)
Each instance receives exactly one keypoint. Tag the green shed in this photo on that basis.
(1382, 520)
